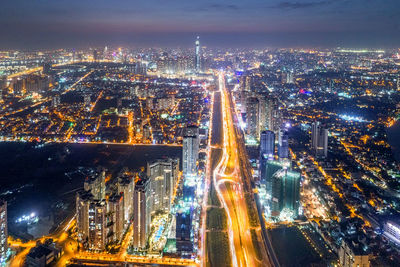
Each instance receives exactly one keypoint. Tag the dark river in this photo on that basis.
(45, 179)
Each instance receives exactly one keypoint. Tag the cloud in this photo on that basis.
(300, 5)
(214, 8)
(220, 6)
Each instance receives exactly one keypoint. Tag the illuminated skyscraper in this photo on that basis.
(96, 185)
(287, 76)
(55, 101)
(267, 150)
(141, 213)
(290, 77)
(314, 134)
(285, 193)
(319, 140)
(115, 217)
(163, 175)
(86, 101)
(283, 144)
(252, 118)
(126, 186)
(197, 61)
(97, 238)
(3, 231)
(267, 111)
(190, 150)
(91, 221)
(267, 144)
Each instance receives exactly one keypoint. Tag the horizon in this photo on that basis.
(68, 24)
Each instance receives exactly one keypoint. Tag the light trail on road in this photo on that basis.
(227, 176)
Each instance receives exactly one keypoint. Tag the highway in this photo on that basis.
(232, 183)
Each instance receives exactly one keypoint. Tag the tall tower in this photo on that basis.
(319, 140)
(190, 150)
(285, 191)
(283, 144)
(322, 146)
(252, 118)
(267, 144)
(163, 175)
(197, 60)
(141, 213)
(267, 150)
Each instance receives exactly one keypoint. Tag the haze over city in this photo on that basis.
(171, 23)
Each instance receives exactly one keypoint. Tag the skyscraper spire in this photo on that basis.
(197, 61)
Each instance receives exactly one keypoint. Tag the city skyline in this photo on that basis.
(206, 133)
(313, 23)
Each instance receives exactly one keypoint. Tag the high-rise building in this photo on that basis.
(322, 147)
(352, 254)
(270, 168)
(267, 145)
(267, 110)
(18, 86)
(398, 83)
(184, 244)
(197, 55)
(96, 185)
(97, 237)
(3, 86)
(252, 118)
(248, 83)
(100, 220)
(163, 174)
(126, 186)
(141, 213)
(267, 151)
(83, 200)
(91, 221)
(132, 92)
(3, 231)
(283, 144)
(55, 101)
(285, 190)
(86, 101)
(3, 82)
(47, 69)
(315, 126)
(319, 140)
(95, 55)
(190, 151)
(115, 218)
(290, 77)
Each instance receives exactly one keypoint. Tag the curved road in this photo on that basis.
(229, 182)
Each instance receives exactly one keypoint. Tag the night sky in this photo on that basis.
(234, 23)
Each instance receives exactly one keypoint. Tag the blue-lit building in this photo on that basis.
(283, 144)
(184, 244)
(267, 151)
(267, 145)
